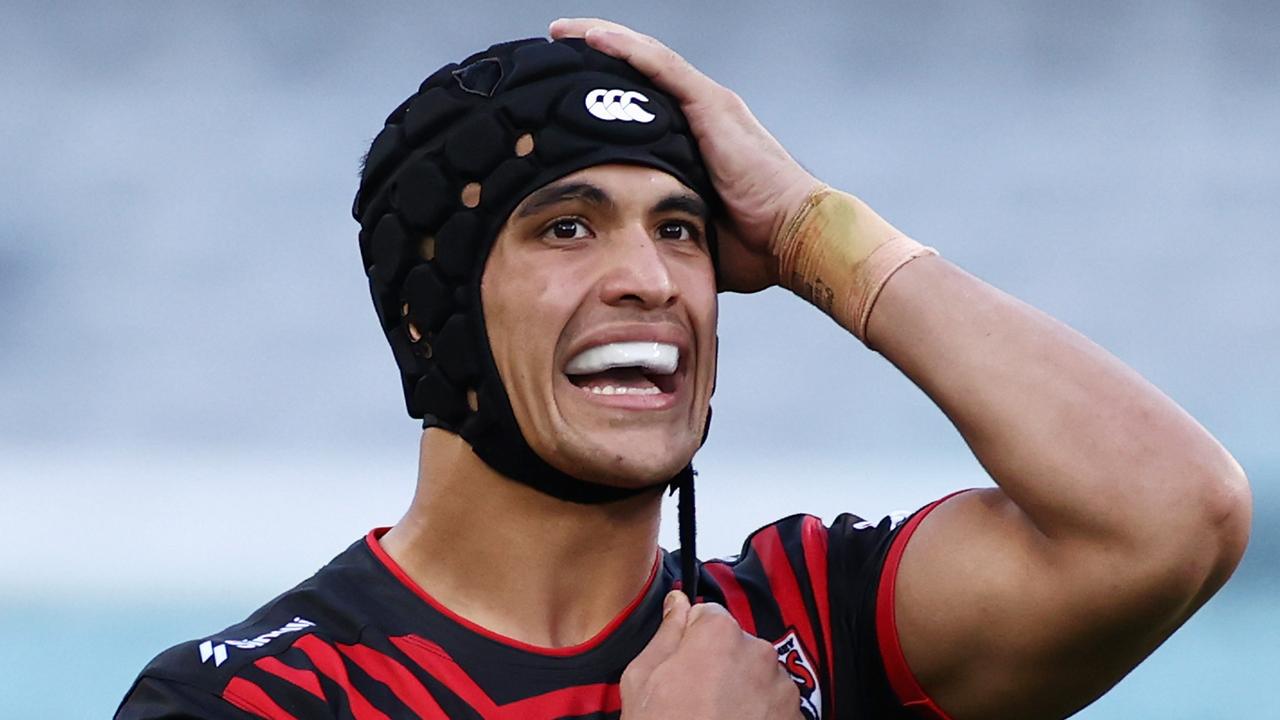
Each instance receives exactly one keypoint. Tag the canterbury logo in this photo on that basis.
(618, 105)
(218, 651)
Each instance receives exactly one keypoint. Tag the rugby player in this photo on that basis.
(545, 227)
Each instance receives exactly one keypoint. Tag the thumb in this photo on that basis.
(675, 615)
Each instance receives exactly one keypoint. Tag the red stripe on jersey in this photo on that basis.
(329, 662)
(566, 702)
(814, 538)
(397, 677)
(304, 679)
(433, 659)
(246, 695)
(901, 679)
(734, 598)
(782, 581)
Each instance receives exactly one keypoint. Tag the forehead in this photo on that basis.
(621, 183)
(627, 174)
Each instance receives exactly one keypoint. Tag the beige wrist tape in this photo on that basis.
(837, 253)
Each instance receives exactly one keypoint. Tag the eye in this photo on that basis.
(567, 229)
(678, 230)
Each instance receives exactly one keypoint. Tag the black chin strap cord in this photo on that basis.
(688, 540)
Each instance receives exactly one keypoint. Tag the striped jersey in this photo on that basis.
(361, 640)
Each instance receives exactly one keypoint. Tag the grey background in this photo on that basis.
(197, 409)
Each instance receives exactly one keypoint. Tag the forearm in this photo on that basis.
(1081, 443)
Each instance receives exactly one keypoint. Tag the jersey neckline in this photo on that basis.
(375, 547)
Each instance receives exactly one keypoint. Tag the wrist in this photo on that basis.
(837, 253)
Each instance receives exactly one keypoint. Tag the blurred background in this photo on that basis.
(197, 409)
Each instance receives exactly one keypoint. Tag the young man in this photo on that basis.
(536, 229)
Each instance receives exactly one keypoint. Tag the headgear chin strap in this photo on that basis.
(439, 181)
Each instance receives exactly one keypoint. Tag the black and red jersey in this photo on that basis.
(361, 640)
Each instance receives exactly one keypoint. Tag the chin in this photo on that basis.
(634, 466)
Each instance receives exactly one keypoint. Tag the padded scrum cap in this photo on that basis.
(439, 181)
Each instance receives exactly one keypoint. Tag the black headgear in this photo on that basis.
(438, 183)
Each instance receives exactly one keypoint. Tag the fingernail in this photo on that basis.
(669, 602)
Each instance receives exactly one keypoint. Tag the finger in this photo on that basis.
(707, 613)
(577, 27)
(675, 613)
(662, 65)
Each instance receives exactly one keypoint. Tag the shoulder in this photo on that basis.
(804, 546)
(785, 570)
(783, 587)
(213, 676)
(811, 589)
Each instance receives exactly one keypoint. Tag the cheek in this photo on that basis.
(704, 308)
(524, 318)
(699, 289)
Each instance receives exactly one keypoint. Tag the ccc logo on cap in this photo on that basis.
(618, 105)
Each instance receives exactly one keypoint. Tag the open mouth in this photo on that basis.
(626, 368)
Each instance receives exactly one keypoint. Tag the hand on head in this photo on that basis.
(701, 664)
(761, 185)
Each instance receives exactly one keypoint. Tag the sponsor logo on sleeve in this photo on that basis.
(895, 519)
(792, 656)
(217, 651)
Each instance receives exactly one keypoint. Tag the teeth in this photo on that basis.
(654, 357)
(613, 390)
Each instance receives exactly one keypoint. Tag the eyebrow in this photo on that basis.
(564, 192)
(686, 203)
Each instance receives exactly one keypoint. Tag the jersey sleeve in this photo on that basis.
(803, 587)
(868, 664)
(155, 699)
(265, 675)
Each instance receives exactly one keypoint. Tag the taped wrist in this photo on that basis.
(837, 253)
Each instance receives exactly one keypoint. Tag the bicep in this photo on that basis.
(997, 620)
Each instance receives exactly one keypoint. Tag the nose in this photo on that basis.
(637, 273)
